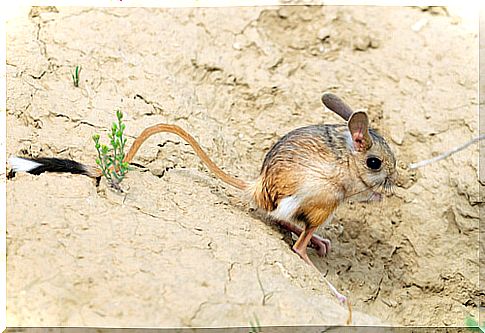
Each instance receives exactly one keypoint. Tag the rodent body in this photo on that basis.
(301, 166)
(310, 171)
(311, 165)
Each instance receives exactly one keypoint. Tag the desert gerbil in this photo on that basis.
(304, 176)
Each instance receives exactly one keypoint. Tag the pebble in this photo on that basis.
(283, 13)
(362, 43)
(323, 33)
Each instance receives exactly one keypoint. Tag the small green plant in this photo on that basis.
(472, 324)
(75, 76)
(110, 159)
(255, 325)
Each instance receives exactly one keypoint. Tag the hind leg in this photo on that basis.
(302, 243)
(321, 245)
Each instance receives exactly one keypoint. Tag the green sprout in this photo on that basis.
(110, 159)
(75, 76)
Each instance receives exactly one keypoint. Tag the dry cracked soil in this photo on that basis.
(180, 248)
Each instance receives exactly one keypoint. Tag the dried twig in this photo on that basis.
(446, 154)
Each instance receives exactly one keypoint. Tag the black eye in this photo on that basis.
(374, 163)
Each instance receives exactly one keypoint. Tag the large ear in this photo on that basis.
(337, 105)
(359, 129)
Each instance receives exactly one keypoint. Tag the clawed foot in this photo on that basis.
(321, 245)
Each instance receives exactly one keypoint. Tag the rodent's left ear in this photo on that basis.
(359, 129)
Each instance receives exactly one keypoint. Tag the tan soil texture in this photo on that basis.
(181, 248)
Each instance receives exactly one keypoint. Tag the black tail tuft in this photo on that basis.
(36, 166)
(57, 165)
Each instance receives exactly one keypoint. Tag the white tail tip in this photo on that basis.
(22, 164)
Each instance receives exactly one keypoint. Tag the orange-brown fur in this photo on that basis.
(300, 158)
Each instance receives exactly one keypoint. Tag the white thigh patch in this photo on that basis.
(286, 208)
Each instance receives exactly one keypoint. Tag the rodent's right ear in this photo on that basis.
(337, 105)
(359, 129)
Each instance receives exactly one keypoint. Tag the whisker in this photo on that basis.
(365, 190)
(385, 185)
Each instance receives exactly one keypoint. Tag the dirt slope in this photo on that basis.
(181, 248)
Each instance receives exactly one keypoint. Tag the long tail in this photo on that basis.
(39, 165)
(174, 129)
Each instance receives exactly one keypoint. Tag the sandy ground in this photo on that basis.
(181, 248)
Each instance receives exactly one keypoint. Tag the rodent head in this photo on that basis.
(373, 159)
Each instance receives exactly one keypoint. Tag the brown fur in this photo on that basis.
(303, 156)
